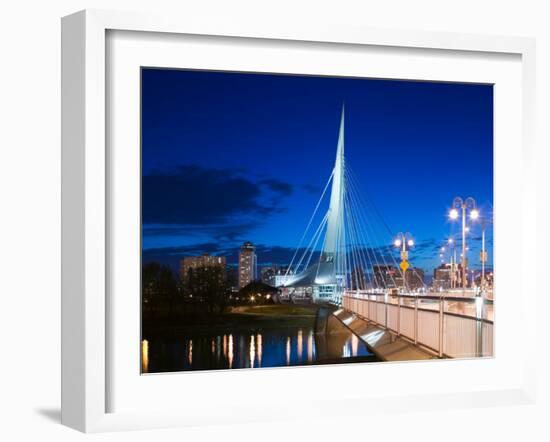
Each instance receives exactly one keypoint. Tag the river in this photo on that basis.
(267, 347)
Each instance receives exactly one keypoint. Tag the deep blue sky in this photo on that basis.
(229, 157)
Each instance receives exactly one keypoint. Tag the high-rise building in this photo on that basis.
(445, 278)
(204, 260)
(247, 264)
(386, 276)
(389, 276)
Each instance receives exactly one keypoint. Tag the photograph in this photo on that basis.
(297, 220)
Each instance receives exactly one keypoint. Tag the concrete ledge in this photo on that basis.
(384, 344)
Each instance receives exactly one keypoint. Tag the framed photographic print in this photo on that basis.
(250, 210)
(229, 157)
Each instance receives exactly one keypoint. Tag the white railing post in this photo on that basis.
(386, 310)
(479, 325)
(368, 307)
(398, 315)
(441, 305)
(416, 319)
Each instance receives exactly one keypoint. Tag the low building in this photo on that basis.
(275, 275)
(267, 274)
(204, 260)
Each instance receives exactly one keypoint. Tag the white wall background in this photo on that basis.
(30, 214)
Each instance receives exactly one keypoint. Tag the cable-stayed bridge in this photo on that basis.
(340, 248)
(345, 258)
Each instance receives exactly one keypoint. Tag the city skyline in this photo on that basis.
(257, 169)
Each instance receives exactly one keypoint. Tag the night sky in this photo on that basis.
(233, 157)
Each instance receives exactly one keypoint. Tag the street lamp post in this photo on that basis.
(403, 241)
(452, 253)
(483, 254)
(468, 204)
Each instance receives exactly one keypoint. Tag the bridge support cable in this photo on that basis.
(320, 255)
(310, 221)
(356, 240)
(387, 247)
(381, 250)
(357, 264)
(313, 241)
(357, 247)
(365, 245)
(364, 235)
(373, 260)
(365, 204)
(314, 246)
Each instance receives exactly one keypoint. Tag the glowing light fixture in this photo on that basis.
(453, 214)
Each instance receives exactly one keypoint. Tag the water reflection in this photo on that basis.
(261, 348)
(230, 352)
(144, 356)
(252, 353)
(354, 345)
(351, 347)
(288, 350)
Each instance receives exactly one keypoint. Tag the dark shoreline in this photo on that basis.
(224, 322)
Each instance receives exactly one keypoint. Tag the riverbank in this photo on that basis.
(242, 318)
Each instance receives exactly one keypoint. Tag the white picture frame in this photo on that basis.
(86, 206)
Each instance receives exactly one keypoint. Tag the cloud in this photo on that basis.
(314, 190)
(213, 204)
(279, 187)
(192, 195)
(220, 232)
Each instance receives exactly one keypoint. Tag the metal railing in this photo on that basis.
(449, 326)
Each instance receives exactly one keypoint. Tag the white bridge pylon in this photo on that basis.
(342, 252)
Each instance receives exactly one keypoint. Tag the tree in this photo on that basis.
(159, 287)
(206, 284)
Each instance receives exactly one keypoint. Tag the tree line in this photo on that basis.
(203, 290)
